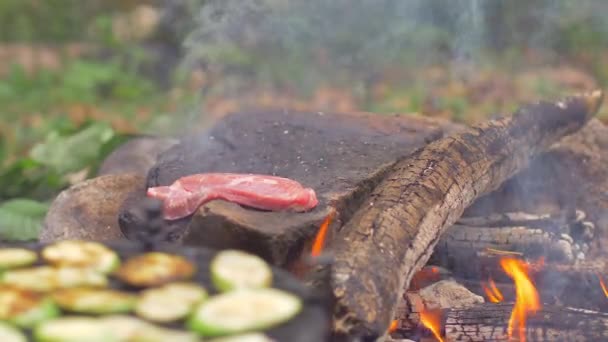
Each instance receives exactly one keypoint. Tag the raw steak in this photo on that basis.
(183, 197)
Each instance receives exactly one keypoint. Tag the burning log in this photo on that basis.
(558, 238)
(487, 322)
(396, 229)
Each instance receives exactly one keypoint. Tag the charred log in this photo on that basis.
(396, 229)
(559, 238)
(488, 322)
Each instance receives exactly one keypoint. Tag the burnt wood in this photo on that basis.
(394, 232)
(341, 156)
(488, 322)
(558, 238)
(571, 175)
(312, 324)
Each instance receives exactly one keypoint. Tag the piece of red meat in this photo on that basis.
(187, 194)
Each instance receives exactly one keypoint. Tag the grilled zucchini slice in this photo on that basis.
(252, 337)
(244, 310)
(25, 308)
(233, 269)
(74, 329)
(154, 269)
(85, 254)
(9, 333)
(47, 278)
(170, 302)
(16, 257)
(94, 301)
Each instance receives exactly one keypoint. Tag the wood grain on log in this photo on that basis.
(558, 239)
(394, 232)
(341, 156)
(488, 323)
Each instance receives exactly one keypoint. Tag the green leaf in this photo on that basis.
(21, 219)
(75, 152)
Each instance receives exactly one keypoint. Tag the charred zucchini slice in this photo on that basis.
(16, 257)
(154, 269)
(170, 302)
(233, 269)
(74, 329)
(244, 310)
(47, 278)
(9, 333)
(94, 301)
(25, 308)
(84, 254)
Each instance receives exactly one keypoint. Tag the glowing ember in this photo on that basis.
(526, 301)
(603, 285)
(431, 319)
(422, 278)
(394, 325)
(492, 292)
(317, 246)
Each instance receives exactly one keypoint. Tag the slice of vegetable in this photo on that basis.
(47, 278)
(74, 329)
(244, 310)
(132, 329)
(170, 302)
(233, 269)
(25, 308)
(9, 333)
(252, 337)
(94, 301)
(86, 254)
(158, 334)
(16, 257)
(155, 268)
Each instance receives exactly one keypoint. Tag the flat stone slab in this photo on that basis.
(341, 156)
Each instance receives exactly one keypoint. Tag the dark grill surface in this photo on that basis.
(310, 325)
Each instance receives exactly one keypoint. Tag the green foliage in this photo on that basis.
(21, 219)
(72, 153)
(44, 172)
(81, 81)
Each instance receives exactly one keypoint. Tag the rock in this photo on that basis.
(137, 155)
(89, 210)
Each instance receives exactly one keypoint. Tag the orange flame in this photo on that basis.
(527, 299)
(431, 319)
(317, 246)
(602, 284)
(394, 325)
(492, 292)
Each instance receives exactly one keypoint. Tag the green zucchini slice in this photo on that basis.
(16, 257)
(251, 337)
(94, 301)
(132, 329)
(9, 333)
(233, 269)
(170, 302)
(74, 329)
(84, 254)
(47, 278)
(25, 308)
(244, 310)
(154, 269)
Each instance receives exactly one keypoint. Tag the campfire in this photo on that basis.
(424, 230)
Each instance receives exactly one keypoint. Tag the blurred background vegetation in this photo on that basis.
(77, 78)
